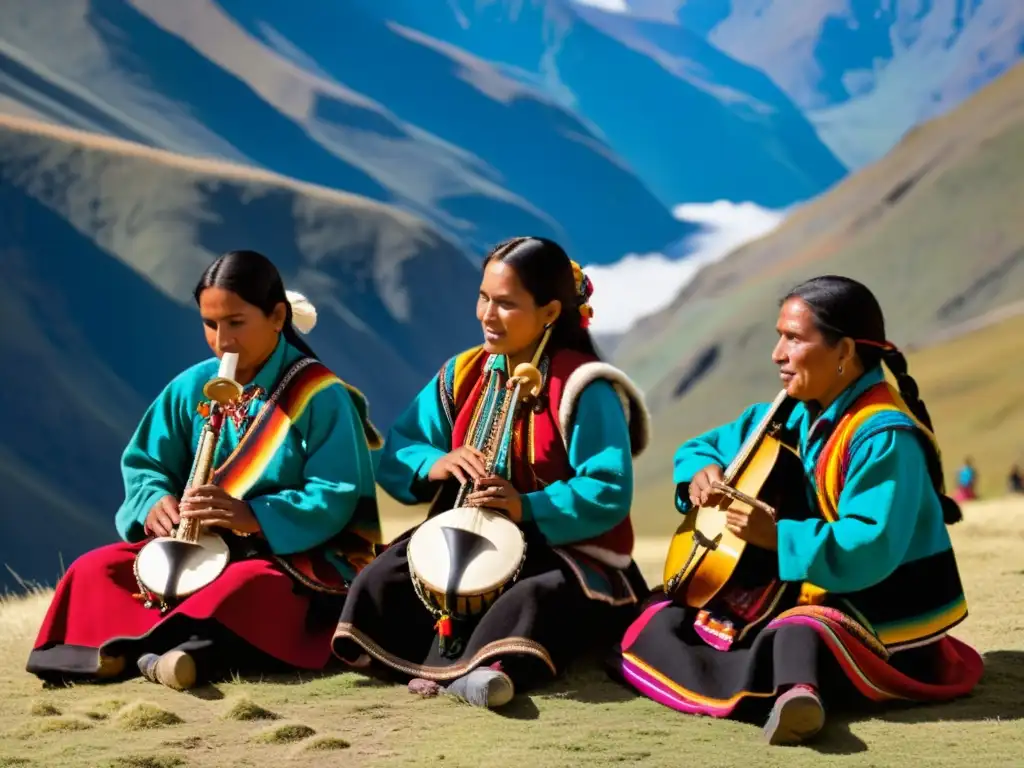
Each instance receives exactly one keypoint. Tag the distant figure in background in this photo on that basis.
(856, 596)
(966, 481)
(1015, 482)
(292, 494)
(562, 472)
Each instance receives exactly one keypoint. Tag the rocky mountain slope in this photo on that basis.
(864, 71)
(695, 123)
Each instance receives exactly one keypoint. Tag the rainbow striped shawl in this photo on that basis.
(354, 547)
(922, 599)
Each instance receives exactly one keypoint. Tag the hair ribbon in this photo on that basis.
(885, 346)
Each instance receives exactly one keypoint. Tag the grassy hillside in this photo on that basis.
(343, 719)
(934, 229)
(101, 242)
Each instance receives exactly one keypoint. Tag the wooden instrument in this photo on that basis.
(463, 559)
(704, 557)
(172, 567)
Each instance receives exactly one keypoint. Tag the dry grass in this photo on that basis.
(342, 718)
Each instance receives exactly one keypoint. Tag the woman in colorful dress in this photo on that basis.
(292, 493)
(567, 483)
(859, 594)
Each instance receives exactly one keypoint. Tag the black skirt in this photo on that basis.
(562, 605)
(663, 657)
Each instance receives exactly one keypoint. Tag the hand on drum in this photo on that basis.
(162, 517)
(465, 463)
(497, 493)
(212, 506)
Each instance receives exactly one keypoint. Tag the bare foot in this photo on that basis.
(424, 687)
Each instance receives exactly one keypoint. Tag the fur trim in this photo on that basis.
(637, 416)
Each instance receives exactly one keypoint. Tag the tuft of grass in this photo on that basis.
(13, 762)
(189, 742)
(247, 710)
(144, 716)
(101, 710)
(43, 709)
(144, 761)
(51, 725)
(286, 733)
(327, 744)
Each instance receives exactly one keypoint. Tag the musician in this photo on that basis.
(869, 585)
(305, 524)
(569, 487)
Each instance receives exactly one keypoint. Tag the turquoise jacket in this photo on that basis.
(596, 499)
(889, 510)
(889, 543)
(316, 483)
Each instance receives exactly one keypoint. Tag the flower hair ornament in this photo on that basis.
(584, 290)
(303, 312)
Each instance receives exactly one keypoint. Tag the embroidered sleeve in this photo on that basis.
(418, 438)
(717, 446)
(337, 473)
(158, 458)
(886, 488)
(599, 496)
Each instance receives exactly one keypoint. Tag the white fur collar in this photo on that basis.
(637, 415)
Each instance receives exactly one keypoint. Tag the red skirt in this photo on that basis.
(96, 607)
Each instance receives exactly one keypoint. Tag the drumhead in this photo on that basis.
(428, 550)
(202, 565)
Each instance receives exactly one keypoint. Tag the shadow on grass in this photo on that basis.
(997, 696)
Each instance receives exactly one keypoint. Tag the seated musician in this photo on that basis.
(292, 492)
(567, 482)
(866, 584)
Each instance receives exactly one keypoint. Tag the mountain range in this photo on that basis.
(863, 72)
(374, 150)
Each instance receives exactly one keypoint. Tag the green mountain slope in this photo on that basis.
(935, 229)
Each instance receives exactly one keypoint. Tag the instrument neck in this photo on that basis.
(531, 354)
(202, 468)
(755, 438)
(497, 427)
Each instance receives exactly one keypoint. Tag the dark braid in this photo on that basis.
(845, 308)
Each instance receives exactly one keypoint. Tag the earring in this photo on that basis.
(840, 369)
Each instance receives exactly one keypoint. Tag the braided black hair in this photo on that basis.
(845, 308)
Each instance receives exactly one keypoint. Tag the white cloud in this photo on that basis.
(641, 284)
(612, 6)
(664, 11)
